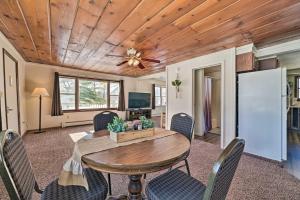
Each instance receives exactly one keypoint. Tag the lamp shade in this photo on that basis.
(40, 92)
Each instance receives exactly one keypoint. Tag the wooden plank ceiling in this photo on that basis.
(83, 33)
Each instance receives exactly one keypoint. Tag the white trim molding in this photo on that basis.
(9, 47)
(245, 49)
(274, 50)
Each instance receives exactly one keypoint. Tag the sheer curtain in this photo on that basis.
(207, 104)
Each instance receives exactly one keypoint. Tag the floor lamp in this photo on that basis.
(40, 92)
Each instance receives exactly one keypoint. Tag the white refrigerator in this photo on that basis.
(262, 113)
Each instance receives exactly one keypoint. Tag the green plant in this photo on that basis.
(176, 83)
(118, 125)
(146, 123)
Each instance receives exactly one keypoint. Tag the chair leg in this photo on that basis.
(145, 176)
(37, 189)
(187, 166)
(109, 184)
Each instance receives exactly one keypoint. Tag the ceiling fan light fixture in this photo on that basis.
(138, 54)
(130, 61)
(131, 52)
(136, 62)
(134, 58)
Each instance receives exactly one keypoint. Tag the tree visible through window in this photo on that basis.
(92, 94)
(160, 96)
(67, 93)
(88, 94)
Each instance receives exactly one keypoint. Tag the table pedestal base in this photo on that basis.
(135, 189)
(121, 197)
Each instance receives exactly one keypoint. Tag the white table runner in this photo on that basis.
(72, 173)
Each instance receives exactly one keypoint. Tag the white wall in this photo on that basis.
(290, 60)
(4, 43)
(145, 85)
(184, 103)
(39, 75)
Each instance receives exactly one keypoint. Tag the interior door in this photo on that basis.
(10, 69)
(260, 113)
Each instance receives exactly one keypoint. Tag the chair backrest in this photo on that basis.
(15, 167)
(223, 171)
(102, 119)
(184, 124)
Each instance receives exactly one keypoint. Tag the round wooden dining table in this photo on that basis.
(137, 159)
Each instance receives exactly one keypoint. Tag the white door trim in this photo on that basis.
(221, 64)
(5, 53)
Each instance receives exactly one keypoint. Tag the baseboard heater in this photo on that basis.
(76, 123)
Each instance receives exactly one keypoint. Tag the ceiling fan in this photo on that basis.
(134, 58)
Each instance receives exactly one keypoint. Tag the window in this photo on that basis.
(297, 87)
(67, 93)
(160, 96)
(92, 94)
(163, 96)
(88, 94)
(157, 96)
(114, 94)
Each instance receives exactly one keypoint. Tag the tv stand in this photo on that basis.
(134, 114)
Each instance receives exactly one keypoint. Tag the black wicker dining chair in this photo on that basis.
(20, 182)
(183, 124)
(101, 121)
(177, 185)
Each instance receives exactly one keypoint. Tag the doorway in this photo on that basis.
(291, 62)
(207, 98)
(11, 92)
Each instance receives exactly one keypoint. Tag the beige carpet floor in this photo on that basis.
(254, 179)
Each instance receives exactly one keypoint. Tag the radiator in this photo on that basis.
(76, 123)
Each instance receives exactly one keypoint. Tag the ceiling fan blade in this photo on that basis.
(138, 54)
(151, 60)
(110, 55)
(141, 66)
(121, 63)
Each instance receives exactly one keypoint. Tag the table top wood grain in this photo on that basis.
(139, 158)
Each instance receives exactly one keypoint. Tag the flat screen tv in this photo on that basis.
(139, 100)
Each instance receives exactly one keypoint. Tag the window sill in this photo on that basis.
(89, 110)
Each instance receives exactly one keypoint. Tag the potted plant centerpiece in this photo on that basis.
(118, 125)
(146, 123)
(120, 131)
